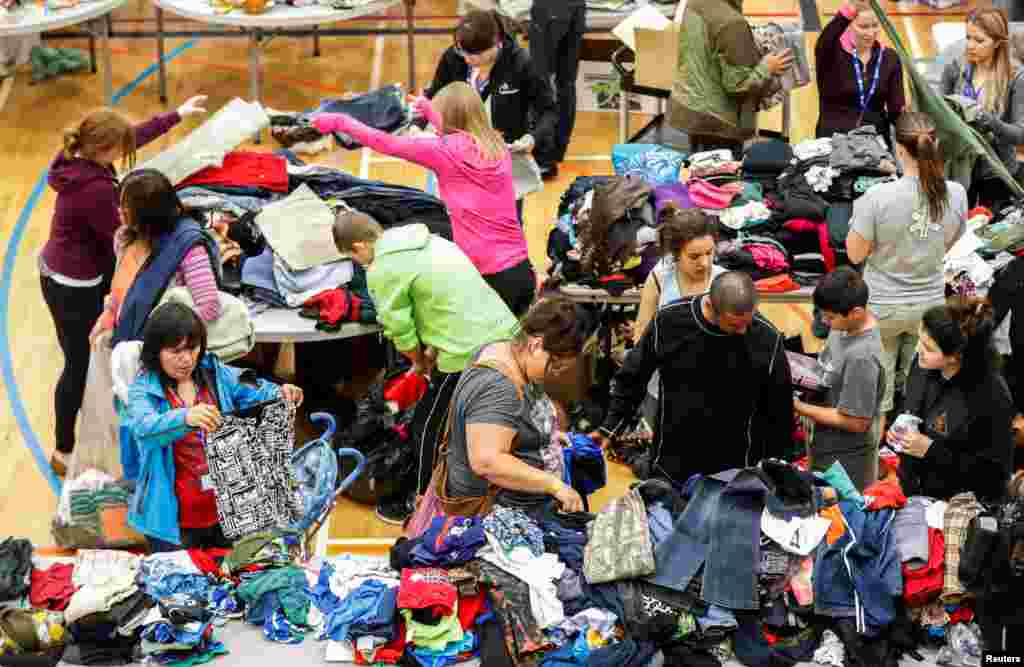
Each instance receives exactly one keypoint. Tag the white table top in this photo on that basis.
(278, 16)
(282, 325)
(30, 18)
(596, 19)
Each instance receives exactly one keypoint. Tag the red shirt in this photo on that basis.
(196, 508)
(244, 169)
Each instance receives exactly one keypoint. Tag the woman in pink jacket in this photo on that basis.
(474, 176)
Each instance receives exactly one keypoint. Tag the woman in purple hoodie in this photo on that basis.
(77, 262)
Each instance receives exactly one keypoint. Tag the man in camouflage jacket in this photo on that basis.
(720, 76)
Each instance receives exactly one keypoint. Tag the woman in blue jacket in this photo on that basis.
(178, 397)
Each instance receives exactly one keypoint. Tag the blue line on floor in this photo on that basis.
(6, 278)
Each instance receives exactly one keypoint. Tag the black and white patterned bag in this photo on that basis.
(249, 459)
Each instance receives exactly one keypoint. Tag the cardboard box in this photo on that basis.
(598, 89)
(657, 56)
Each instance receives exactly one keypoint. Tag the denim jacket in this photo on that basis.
(859, 575)
(718, 530)
(154, 427)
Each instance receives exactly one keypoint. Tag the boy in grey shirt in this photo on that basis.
(853, 364)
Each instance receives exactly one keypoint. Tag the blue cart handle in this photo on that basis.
(330, 427)
(360, 464)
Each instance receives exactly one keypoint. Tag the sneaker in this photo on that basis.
(395, 511)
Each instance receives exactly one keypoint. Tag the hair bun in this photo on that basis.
(668, 210)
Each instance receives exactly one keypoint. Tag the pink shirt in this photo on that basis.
(479, 193)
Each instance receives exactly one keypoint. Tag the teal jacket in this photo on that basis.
(154, 427)
(428, 292)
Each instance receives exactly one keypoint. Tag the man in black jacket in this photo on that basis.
(726, 393)
(489, 59)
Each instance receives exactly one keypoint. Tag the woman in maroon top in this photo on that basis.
(860, 82)
(77, 263)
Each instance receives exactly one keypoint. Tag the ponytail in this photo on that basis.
(72, 142)
(101, 130)
(931, 171)
(916, 133)
(678, 226)
(978, 326)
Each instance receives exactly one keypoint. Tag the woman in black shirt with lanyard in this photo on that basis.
(487, 57)
(860, 82)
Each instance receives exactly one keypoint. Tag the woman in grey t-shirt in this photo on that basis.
(901, 231)
(501, 419)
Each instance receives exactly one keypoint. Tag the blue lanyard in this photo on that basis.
(858, 69)
(969, 89)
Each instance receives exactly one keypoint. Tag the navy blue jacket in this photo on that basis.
(859, 576)
(157, 272)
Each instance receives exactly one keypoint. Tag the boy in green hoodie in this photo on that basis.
(438, 311)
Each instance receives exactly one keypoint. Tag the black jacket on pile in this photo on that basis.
(968, 420)
(1006, 295)
(726, 400)
(514, 91)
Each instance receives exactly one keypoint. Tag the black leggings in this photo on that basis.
(429, 422)
(516, 286)
(74, 311)
(556, 38)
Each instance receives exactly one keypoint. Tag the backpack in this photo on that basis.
(382, 437)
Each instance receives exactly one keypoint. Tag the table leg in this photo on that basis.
(410, 25)
(316, 41)
(254, 70)
(623, 117)
(108, 80)
(92, 52)
(787, 105)
(161, 67)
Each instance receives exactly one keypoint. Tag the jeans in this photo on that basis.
(74, 311)
(556, 35)
(380, 109)
(516, 286)
(720, 531)
(192, 538)
(898, 327)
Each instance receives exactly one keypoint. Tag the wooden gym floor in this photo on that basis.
(32, 117)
